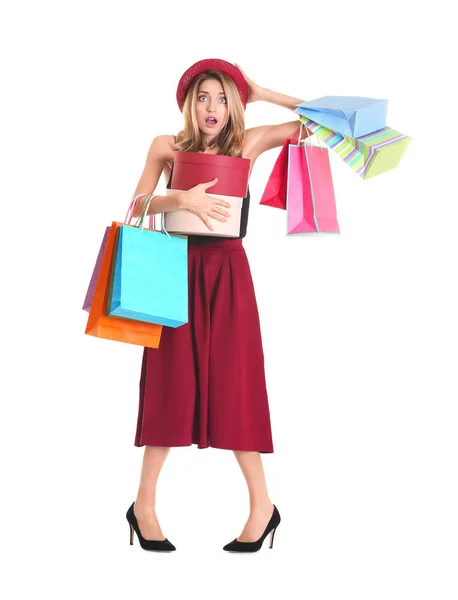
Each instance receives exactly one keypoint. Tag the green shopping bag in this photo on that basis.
(368, 155)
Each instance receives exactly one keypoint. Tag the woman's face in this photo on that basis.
(211, 102)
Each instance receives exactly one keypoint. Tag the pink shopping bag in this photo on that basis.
(310, 200)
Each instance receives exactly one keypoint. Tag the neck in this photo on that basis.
(210, 138)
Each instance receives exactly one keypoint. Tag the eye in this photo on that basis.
(225, 101)
(203, 96)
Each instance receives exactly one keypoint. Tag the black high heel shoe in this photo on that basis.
(236, 546)
(157, 545)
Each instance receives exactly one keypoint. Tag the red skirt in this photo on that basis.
(205, 384)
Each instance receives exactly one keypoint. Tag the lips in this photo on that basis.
(210, 120)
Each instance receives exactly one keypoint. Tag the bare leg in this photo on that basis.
(261, 507)
(145, 503)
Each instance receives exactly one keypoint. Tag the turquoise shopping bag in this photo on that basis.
(150, 277)
(353, 116)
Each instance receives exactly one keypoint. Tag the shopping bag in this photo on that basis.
(96, 270)
(275, 191)
(368, 155)
(349, 115)
(311, 206)
(150, 277)
(95, 273)
(116, 328)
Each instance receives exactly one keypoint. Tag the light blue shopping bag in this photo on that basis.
(353, 116)
(150, 277)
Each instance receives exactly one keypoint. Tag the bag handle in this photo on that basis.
(308, 144)
(295, 134)
(144, 213)
(131, 210)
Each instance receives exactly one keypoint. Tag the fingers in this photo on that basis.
(215, 215)
(217, 204)
(220, 211)
(222, 202)
(206, 220)
(209, 183)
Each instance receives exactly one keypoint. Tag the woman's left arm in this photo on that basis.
(266, 137)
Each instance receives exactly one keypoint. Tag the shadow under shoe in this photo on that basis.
(236, 546)
(155, 545)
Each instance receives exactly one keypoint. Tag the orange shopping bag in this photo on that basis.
(117, 328)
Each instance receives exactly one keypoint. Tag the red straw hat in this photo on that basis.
(211, 63)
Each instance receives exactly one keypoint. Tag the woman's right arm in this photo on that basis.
(158, 154)
(196, 200)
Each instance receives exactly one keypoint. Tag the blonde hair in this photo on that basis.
(231, 138)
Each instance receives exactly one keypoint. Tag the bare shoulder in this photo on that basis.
(171, 139)
(160, 154)
(160, 149)
(163, 146)
(169, 148)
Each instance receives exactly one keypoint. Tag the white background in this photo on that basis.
(359, 330)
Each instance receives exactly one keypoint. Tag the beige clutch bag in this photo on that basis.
(187, 223)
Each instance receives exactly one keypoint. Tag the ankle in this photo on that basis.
(261, 507)
(142, 509)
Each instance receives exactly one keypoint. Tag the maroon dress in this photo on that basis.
(205, 384)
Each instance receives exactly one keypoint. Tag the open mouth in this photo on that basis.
(211, 121)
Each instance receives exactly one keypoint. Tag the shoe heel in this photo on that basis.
(272, 537)
(154, 545)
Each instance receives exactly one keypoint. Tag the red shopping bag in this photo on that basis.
(311, 205)
(275, 192)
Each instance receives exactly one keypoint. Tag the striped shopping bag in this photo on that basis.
(368, 155)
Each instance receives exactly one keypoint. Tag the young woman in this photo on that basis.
(205, 384)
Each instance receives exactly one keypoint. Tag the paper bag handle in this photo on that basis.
(308, 136)
(131, 210)
(144, 213)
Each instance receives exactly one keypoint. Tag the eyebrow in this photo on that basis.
(204, 92)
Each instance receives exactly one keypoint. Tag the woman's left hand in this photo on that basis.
(254, 90)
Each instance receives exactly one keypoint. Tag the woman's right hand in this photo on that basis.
(204, 206)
